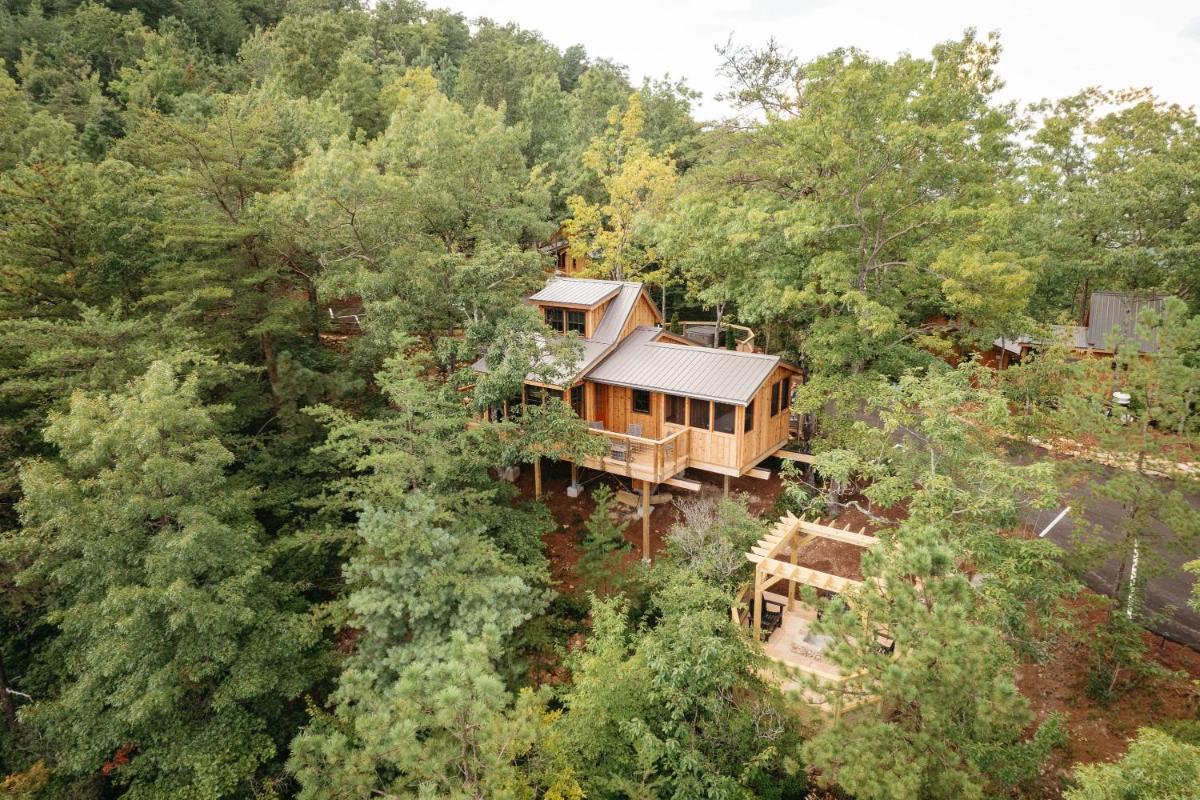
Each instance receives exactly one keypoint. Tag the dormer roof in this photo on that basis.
(577, 292)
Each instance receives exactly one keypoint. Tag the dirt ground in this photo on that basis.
(1098, 732)
(1102, 731)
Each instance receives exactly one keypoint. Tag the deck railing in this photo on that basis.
(647, 459)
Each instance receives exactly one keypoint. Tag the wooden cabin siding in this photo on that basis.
(617, 412)
(593, 317)
(769, 431)
(644, 314)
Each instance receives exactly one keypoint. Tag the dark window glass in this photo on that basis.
(555, 394)
(641, 402)
(577, 400)
(554, 318)
(676, 409)
(562, 260)
(749, 426)
(785, 395)
(774, 399)
(700, 411)
(725, 418)
(575, 321)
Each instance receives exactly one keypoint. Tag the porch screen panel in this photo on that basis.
(725, 417)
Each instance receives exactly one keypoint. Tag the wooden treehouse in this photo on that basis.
(783, 623)
(663, 403)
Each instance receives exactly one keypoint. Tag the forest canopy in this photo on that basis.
(252, 537)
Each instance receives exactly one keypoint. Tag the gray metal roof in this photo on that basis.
(1120, 310)
(726, 376)
(606, 333)
(577, 291)
(617, 313)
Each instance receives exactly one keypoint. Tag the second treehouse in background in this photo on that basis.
(663, 403)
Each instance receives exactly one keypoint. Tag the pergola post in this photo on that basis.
(794, 545)
(537, 478)
(758, 602)
(646, 491)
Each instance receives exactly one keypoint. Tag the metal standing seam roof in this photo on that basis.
(577, 291)
(606, 333)
(1108, 310)
(707, 373)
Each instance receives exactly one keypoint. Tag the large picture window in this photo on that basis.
(641, 402)
(701, 410)
(724, 417)
(676, 409)
(554, 318)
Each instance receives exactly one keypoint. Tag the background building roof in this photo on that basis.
(1120, 310)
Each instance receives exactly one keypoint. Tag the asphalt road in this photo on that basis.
(1170, 585)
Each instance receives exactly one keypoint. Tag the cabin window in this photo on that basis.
(676, 409)
(724, 418)
(562, 260)
(749, 425)
(700, 413)
(575, 321)
(538, 395)
(554, 318)
(641, 402)
(577, 400)
(780, 399)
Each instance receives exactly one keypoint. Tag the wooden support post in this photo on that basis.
(574, 474)
(537, 478)
(647, 490)
(795, 557)
(727, 486)
(758, 601)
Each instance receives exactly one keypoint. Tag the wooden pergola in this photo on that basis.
(789, 535)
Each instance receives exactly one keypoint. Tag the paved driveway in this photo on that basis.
(1171, 587)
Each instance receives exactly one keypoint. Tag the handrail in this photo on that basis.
(660, 458)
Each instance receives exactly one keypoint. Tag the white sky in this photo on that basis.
(1052, 48)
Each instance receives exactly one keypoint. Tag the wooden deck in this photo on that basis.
(640, 458)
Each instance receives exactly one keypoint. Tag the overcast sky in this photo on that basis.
(1052, 48)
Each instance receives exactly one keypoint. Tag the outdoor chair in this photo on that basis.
(634, 430)
(772, 616)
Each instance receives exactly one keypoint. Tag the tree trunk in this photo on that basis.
(314, 310)
(10, 710)
(272, 367)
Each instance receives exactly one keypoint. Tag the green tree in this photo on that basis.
(604, 544)
(871, 195)
(637, 185)
(1107, 174)
(946, 718)
(1157, 766)
(180, 654)
(675, 710)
